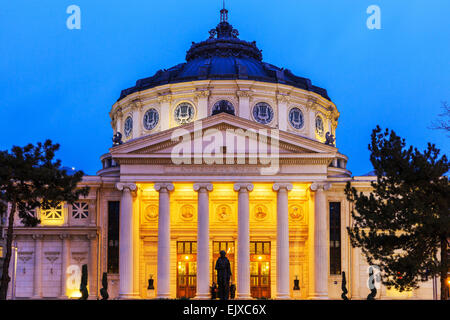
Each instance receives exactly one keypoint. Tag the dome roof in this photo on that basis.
(224, 57)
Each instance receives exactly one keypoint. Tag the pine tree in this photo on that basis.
(31, 178)
(403, 225)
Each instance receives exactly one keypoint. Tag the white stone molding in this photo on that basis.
(278, 186)
(206, 186)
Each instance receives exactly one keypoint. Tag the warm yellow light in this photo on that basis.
(260, 258)
(187, 257)
(75, 294)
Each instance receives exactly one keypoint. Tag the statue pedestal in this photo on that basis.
(151, 294)
(296, 295)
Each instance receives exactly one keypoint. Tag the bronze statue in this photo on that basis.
(223, 275)
(104, 290)
(84, 283)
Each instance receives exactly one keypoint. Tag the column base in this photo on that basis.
(283, 297)
(129, 296)
(243, 296)
(205, 296)
(163, 296)
(318, 297)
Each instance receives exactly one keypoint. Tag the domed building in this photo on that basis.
(221, 152)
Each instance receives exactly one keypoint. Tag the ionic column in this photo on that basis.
(126, 265)
(37, 285)
(64, 264)
(243, 258)
(282, 240)
(163, 272)
(320, 241)
(203, 269)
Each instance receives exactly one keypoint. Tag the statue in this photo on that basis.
(117, 139)
(223, 275)
(296, 284)
(373, 289)
(329, 139)
(344, 287)
(84, 282)
(104, 290)
(150, 283)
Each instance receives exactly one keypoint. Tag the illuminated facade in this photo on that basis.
(176, 192)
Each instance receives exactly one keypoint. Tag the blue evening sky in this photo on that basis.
(60, 84)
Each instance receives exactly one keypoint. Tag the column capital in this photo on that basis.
(206, 186)
(278, 186)
(122, 186)
(320, 186)
(199, 94)
(243, 186)
(164, 186)
(244, 93)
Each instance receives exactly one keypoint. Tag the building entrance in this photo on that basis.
(260, 270)
(186, 269)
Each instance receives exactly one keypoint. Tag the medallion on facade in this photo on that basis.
(151, 119)
(260, 212)
(184, 113)
(223, 213)
(296, 118)
(151, 213)
(128, 127)
(263, 113)
(187, 212)
(296, 212)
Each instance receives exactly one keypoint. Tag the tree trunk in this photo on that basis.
(9, 238)
(444, 268)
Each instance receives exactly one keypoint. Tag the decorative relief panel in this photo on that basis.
(150, 213)
(296, 212)
(223, 212)
(260, 212)
(187, 212)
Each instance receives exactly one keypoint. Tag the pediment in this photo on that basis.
(223, 130)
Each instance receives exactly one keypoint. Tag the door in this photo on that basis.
(186, 269)
(260, 270)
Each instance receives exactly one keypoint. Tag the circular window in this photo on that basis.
(296, 118)
(319, 126)
(151, 119)
(128, 128)
(223, 106)
(263, 113)
(184, 113)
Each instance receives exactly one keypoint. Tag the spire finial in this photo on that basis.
(224, 13)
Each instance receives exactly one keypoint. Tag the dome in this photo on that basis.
(224, 57)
